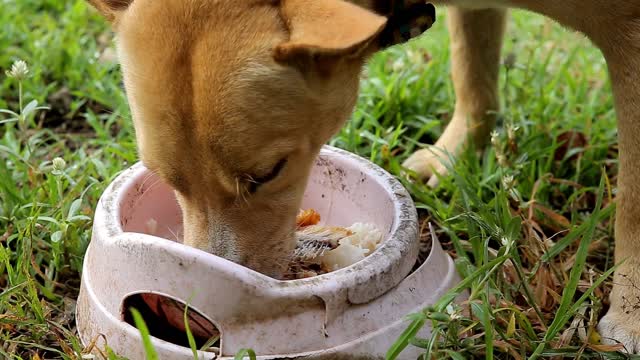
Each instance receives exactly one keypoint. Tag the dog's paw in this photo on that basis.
(621, 328)
(425, 164)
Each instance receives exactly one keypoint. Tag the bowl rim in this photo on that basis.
(386, 267)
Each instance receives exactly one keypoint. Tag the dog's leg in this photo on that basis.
(476, 42)
(622, 322)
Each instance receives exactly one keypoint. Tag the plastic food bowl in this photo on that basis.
(353, 313)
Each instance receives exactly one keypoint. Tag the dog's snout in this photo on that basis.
(228, 233)
(222, 239)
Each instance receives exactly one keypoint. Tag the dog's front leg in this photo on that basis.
(622, 322)
(476, 42)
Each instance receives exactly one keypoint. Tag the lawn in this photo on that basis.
(529, 221)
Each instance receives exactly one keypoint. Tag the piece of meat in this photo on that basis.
(307, 218)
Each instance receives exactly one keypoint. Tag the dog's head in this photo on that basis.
(232, 101)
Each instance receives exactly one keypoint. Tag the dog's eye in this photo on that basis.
(255, 183)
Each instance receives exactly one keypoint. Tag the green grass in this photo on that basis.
(532, 234)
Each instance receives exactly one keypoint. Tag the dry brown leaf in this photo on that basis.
(605, 348)
(570, 140)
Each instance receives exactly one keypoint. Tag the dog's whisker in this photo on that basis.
(237, 187)
(175, 234)
(146, 178)
(241, 192)
(148, 189)
(243, 196)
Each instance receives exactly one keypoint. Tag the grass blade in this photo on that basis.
(210, 343)
(190, 338)
(243, 353)
(144, 333)
(483, 313)
(572, 236)
(562, 314)
(405, 338)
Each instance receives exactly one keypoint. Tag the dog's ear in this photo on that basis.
(110, 8)
(327, 30)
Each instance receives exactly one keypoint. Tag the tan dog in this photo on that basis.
(232, 100)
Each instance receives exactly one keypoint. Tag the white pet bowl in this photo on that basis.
(353, 313)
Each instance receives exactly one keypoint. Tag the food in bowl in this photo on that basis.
(322, 249)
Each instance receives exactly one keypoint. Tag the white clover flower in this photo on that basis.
(495, 138)
(59, 164)
(508, 243)
(508, 182)
(454, 314)
(414, 57)
(511, 132)
(398, 65)
(19, 70)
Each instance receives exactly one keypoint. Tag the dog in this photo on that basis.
(233, 99)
